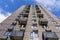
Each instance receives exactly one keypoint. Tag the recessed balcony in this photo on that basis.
(43, 22)
(3, 38)
(38, 11)
(49, 36)
(37, 8)
(27, 11)
(17, 35)
(25, 14)
(23, 20)
(28, 8)
(40, 15)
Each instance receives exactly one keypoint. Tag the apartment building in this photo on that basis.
(30, 22)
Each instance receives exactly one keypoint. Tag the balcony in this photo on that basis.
(49, 36)
(34, 35)
(38, 11)
(40, 15)
(7, 33)
(17, 35)
(37, 8)
(43, 22)
(25, 14)
(26, 11)
(28, 8)
(3, 38)
(23, 20)
(34, 27)
(10, 29)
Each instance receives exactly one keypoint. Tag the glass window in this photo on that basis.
(34, 27)
(54, 22)
(33, 13)
(33, 16)
(33, 20)
(11, 26)
(58, 27)
(33, 35)
(7, 33)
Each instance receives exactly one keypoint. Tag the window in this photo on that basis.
(54, 22)
(33, 35)
(33, 13)
(33, 16)
(58, 27)
(34, 24)
(7, 33)
(12, 26)
(33, 20)
(34, 27)
(10, 29)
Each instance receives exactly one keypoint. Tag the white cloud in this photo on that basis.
(2, 16)
(50, 4)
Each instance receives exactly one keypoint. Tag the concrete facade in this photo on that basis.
(31, 20)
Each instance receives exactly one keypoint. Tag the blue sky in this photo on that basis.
(7, 7)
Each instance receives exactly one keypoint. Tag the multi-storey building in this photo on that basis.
(30, 22)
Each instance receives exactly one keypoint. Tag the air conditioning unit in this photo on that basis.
(49, 36)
